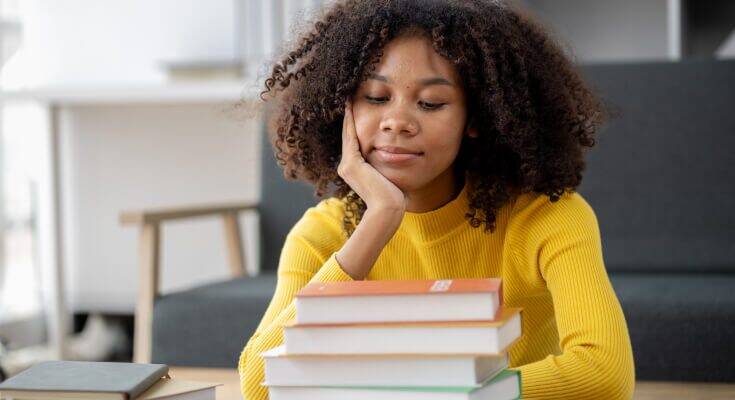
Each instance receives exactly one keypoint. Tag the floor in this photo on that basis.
(230, 390)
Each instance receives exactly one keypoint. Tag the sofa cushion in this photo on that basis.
(681, 325)
(207, 326)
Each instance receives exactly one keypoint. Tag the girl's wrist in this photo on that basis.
(359, 253)
(389, 217)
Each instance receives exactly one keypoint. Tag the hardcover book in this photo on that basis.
(394, 300)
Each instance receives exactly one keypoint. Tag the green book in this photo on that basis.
(504, 386)
(82, 380)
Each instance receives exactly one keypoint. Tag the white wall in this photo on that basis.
(113, 41)
(609, 30)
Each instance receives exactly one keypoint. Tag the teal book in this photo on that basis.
(504, 386)
(82, 380)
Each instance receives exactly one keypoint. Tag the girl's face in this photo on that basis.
(410, 115)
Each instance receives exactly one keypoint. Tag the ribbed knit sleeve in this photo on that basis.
(559, 243)
(307, 256)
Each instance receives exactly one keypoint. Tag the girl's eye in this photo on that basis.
(431, 106)
(376, 100)
(424, 104)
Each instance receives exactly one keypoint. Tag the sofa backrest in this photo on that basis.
(661, 177)
(282, 203)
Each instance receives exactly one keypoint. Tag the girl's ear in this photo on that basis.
(470, 129)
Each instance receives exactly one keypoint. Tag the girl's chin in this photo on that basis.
(405, 181)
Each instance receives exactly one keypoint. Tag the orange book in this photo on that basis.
(395, 300)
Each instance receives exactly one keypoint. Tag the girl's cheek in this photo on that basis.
(363, 141)
(363, 132)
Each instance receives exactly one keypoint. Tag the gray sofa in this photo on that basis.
(661, 183)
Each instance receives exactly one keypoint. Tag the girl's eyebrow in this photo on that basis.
(425, 82)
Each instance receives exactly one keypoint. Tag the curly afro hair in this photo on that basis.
(533, 112)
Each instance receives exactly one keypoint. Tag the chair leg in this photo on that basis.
(234, 245)
(147, 291)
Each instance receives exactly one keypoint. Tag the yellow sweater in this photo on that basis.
(575, 342)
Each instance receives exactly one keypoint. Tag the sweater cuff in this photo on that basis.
(331, 271)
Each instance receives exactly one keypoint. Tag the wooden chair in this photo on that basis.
(149, 223)
(282, 204)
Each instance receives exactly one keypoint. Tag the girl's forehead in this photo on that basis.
(413, 57)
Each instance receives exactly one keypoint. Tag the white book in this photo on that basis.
(504, 386)
(394, 300)
(478, 337)
(429, 370)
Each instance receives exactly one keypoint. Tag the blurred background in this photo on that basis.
(110, 106)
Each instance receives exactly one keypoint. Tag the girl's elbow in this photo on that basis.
(251, 369)
(621, 389)
(609, 377)
(249, 363)
(617, 376)
(616, 384)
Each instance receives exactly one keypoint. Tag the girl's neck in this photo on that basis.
(435, 194)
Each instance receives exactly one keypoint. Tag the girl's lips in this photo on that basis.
(388, 157)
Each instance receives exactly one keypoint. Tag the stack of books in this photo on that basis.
(77, 380)
(447, 339)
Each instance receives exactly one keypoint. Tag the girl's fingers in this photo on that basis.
(345, 132)
(350, 145)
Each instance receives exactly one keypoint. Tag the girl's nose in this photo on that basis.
(398, 123)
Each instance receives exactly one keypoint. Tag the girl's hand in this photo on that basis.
(376, 190)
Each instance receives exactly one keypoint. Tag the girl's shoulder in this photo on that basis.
(535, 207)
(332, 209)
(323, 218)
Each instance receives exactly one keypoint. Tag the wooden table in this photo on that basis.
(683, 390)
(229, 378)
(643, 390)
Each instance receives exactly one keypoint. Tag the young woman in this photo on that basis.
(451, 135)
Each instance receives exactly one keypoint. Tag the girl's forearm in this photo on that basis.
(358, 255)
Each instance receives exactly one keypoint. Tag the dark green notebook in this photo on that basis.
(83, 380)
